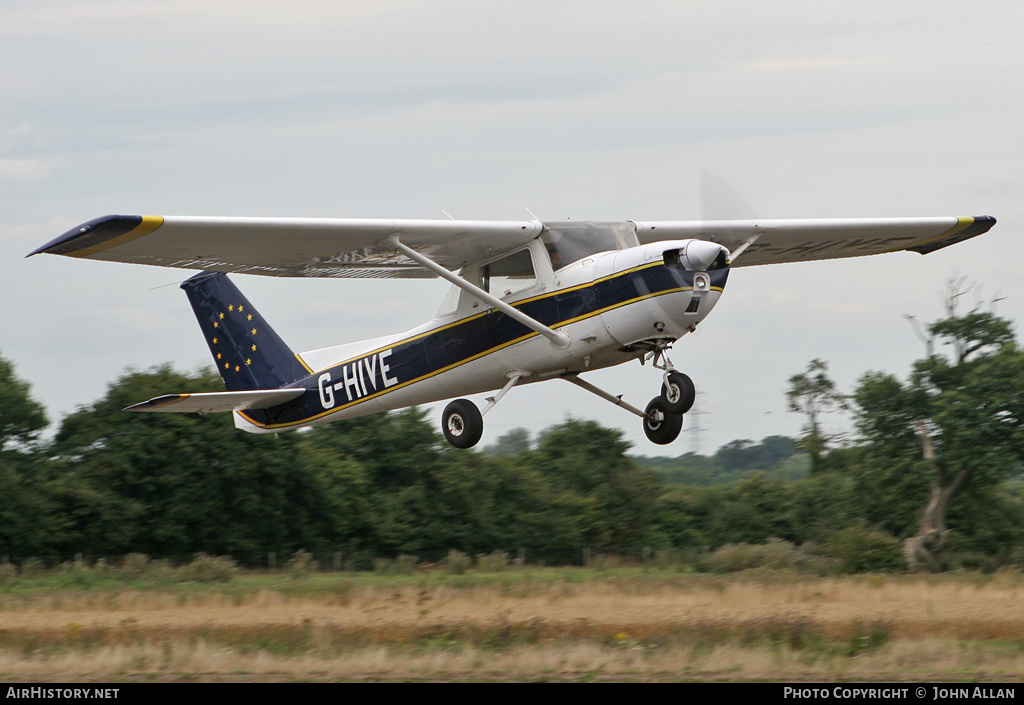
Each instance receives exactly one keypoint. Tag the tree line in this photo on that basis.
(934, 471)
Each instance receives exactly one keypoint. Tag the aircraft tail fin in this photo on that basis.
(246, 350)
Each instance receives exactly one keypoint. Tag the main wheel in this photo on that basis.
(660, 424)
(678, 393)
(462, 423)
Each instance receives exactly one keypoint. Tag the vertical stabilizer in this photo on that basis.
(246, 350)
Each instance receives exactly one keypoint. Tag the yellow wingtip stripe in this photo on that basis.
(149, 224)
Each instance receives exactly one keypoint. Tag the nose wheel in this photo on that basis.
(677, 392)
(661, 424)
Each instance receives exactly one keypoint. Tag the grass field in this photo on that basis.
(563, 624)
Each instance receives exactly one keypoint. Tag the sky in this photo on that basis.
(590, 110)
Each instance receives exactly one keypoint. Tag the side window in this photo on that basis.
(508, 275)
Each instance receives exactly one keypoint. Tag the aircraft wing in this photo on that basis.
(776, 241)
(335, 247)
(289, 247)
(217, 401)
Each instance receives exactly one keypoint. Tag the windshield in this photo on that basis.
(570, 241)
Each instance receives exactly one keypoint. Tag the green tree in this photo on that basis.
(512, 442)
(27, 514)
(957, 421)
(401, 455)
(812, 393)
(170, 484)
(21, 417)
(612, 496)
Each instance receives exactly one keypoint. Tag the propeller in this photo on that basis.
(721, 200)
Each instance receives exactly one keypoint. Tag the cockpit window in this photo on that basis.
(571, 241)
(508, 275)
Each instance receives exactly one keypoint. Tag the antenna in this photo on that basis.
(446, 213)
(164, 286)
(531, 213)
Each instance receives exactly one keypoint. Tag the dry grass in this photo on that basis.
(776, 627)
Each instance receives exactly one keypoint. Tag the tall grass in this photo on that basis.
(492, 618)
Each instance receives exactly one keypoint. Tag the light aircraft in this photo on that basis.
(531, 301)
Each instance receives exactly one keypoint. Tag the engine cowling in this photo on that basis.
(670, 287)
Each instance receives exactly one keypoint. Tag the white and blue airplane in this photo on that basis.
(530, 301)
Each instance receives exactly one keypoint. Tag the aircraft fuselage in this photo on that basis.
(611, 305)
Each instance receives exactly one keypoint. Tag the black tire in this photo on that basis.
(462, 423)
(678, 393)
(660, 424)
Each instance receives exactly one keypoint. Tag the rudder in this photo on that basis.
(246, 350)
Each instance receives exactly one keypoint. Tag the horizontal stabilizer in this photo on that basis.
(217, 401)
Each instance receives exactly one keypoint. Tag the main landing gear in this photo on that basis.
(462, 423)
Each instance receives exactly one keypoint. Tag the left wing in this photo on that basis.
(776, 241)
(289, 247)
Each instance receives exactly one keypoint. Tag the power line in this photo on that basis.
(694, 426)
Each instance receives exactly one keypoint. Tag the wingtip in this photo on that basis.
(99, 234)
(156, 402)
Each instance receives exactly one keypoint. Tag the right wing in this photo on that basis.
(776, 241)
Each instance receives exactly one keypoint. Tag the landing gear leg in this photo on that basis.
(660, 425)
(677, 390)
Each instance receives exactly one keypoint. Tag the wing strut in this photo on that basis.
(574, 377)
(558, 339)
(734, 255)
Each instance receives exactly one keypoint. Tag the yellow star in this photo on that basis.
(248, 361)
(219, 356)
(216, 324)
(222, 315)
(241, 308)
(231, 307)
(249, 318)
(237, 368)
(254, 347)
(214, 341)
(254, 331)
(227, 365)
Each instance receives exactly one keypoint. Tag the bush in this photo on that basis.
(210, 569)
(862, 550)
(494, 562)
(403, 565)
(301, 564)
(78, 573)
(456, 562)
(32, 568)
(774, 553)
(133, 566)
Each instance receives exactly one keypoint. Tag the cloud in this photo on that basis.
(26, 169)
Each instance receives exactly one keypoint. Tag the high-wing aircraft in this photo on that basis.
(530, 301)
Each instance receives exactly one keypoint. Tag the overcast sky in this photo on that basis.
(587, 110)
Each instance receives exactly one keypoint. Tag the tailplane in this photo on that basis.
(246, 350)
